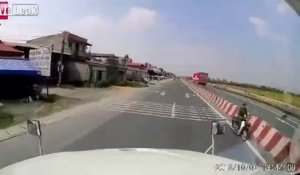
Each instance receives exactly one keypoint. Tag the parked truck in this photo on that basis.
(200, 78)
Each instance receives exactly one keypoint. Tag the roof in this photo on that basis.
(103, 55)
(295, 4)
(13, 44)
(72, 36)
(7, 48)
(10, 66)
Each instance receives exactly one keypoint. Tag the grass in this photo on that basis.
(136, 84)
(282, 97)
(52, 103)
(6, 118)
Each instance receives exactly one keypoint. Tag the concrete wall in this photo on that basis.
(78, 71)
(135, 75)
(47, 41)
(95, 77)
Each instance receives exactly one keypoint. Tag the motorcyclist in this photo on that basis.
(243, 114)
(243, 111)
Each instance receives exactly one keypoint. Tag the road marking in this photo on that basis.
(173, 110)
(187, 95)
(265, 108)
(163, 93)
(247, 142)
(162, 116)
(256, 152)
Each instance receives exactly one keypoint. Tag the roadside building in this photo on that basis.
(107, 68)
(17, 77)
(135, 71)
(75, 56)
(17, 74)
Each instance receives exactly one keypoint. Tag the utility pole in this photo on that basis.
(47, 78)
(60, 65)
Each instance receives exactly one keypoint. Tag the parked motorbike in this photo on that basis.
(241, 128)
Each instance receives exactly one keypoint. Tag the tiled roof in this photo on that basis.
(7, 48)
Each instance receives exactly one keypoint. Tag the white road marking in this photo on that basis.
(162, 116)
(187, 95)
(141, 111)
(173, 110)
(143, 106)
(265, 108)
(256, 152)
(247, 142)
(163, 93)
(164, 109)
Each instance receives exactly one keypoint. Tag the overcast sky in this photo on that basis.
(248, 41)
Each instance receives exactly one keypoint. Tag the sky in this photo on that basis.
(247, 41)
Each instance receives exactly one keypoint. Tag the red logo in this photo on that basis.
(4, 10)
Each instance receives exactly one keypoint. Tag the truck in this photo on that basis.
(200, 78)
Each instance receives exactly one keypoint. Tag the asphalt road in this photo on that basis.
(167, 115)
(166, 118)
(268, 113)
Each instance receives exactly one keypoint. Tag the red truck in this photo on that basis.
(200, 78)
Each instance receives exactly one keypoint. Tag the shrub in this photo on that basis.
(6, 118)
(78, 83)
(136, 84)
(51, 98)
(103, 84)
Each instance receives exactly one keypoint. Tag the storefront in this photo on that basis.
(17, 78)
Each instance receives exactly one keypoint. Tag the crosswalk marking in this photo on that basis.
(187, 95)
(163, 93)
(197, 113)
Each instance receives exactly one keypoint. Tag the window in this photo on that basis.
(70, 45)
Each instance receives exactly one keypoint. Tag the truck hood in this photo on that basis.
(127, 161)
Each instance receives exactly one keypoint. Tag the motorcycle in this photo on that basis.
(242, 129)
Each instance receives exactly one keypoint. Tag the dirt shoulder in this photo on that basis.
(15, 112)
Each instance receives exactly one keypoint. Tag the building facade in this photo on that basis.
(74, 51)
(107, 68)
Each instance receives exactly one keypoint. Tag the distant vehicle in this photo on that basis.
(200, 78)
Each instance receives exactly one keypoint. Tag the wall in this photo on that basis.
(78, 71)
(47, 41)
(95, 77)
(135, 75)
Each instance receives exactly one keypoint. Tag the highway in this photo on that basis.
(268, 113)
(168, 115)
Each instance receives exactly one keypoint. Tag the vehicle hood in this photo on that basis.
(129, 161)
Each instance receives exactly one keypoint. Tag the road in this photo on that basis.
(167, 115)
(268, 113)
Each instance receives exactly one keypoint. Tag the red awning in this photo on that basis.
(6, 50)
